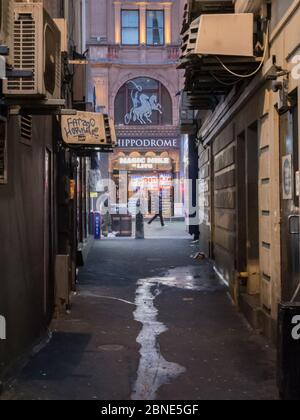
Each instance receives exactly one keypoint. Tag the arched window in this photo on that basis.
(143, 101)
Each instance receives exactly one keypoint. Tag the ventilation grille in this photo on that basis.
(26, 128)
(24, 50)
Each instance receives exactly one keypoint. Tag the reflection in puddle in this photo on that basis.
(154, 371)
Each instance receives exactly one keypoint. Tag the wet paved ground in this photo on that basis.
(149, 322)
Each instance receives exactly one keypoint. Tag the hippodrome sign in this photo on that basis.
(149, 143)
(83, 128)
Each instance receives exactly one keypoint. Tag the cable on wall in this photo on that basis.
(222, 82)
(246, 76)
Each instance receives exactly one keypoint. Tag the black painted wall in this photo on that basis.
(22, 240)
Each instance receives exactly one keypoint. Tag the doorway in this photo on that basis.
(253, 286)
(289, 149)
(248, 208)
(48, 237)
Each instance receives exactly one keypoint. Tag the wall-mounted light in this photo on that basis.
(79, 59)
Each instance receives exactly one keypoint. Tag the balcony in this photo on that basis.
(135, 55)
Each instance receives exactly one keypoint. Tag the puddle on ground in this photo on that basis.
(154, 371)
(188, 278)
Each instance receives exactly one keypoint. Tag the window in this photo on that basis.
(143, 101)
(130, 27)
(3, 152)
(155, 27)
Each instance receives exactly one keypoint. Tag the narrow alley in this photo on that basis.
(149, 202)
(149, 323)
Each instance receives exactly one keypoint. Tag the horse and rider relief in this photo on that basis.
(143, 106)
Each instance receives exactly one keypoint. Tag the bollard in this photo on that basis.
(288, 375)
(139, 224)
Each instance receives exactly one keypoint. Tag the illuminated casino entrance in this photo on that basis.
(147, 172)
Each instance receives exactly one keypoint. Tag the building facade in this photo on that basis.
(133, 51)
(42, 189)
(248, 146)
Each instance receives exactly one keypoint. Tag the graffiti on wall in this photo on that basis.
(83, 128)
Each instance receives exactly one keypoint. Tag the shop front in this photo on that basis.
(142, 168)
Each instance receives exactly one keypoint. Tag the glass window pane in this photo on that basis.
(130, 18)
(130, 27)
(130, 36)
(149, 37)
(155, 18)
(155, 27)
(155, 36)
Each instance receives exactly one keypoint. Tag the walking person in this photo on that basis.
(159, 209)
(105, 211)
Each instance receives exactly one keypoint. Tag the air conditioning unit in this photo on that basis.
(226, 34)
(36, 47)
(248, 6)
(6, 8)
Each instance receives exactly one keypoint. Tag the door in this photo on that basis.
(241, 243)
(247, 249)
(48, 237)
(289, 201)
(252, 200)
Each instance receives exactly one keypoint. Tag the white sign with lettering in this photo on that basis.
(148, 143)
(144, 162)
